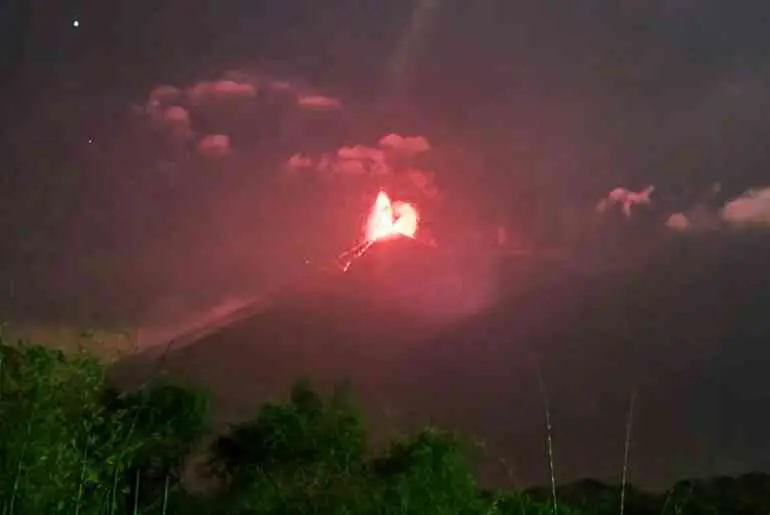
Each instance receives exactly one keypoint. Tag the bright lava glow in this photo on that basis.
(388, 219)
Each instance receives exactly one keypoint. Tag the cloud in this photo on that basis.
(678, 222)
(750, 209)
(163, 109)
(700, 218)
(237, 102)
(281, 85)
(362, 153)
(176, 121)
(410, 145)
(358, 160)
(162, 96)
(318, 102)
(389, 163)
(176, 115)
(350, 167)
(216, 91)
(298, 162)
(214, 145)
(421, 180)
(626, 198)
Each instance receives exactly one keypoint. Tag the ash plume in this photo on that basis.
(393, 162)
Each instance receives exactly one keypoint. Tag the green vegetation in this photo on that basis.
(69, 444)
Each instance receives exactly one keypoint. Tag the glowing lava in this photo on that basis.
(386, 220)
(389, 219)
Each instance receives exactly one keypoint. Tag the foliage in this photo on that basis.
(69, 444)
(49, 407)
(428, 473)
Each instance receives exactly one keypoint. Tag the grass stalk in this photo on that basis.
(626, 452)
(136, 491)
(79, 500)
(114, 489)
(548, 434)
(164, 508)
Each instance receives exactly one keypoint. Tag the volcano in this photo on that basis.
(426, 336)
(667, 328)
(394, 260)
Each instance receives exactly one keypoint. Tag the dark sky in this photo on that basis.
(614, 90)
(534, 109)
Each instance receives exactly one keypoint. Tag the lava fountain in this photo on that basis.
(389, 219)
(437, 286)
(386, 220)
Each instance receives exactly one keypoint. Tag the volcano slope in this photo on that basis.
(686, 330)
(359, 326)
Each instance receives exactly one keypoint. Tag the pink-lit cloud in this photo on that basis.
(382, 164)
(215, 91)
(182, 110)
(750, 209)
(163, 95)
(361, 153)
(626, 198)
(318, 102)
(408, 145)
(299, 161)
(176, 121)
(214, 145)
(678, 222)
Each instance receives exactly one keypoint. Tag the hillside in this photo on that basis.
(665, 327)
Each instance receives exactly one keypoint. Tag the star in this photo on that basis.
(76, 23)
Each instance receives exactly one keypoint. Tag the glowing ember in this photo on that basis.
(388, 219)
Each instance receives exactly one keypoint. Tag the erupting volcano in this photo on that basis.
(389, 219)
(386, 220)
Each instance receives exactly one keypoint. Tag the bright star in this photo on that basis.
(76, 23)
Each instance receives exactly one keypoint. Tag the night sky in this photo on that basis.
(144, 145)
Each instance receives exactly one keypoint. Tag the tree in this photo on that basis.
(67, 444)
(427, 473)
(307, 454)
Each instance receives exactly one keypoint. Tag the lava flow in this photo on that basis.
(386, 220)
